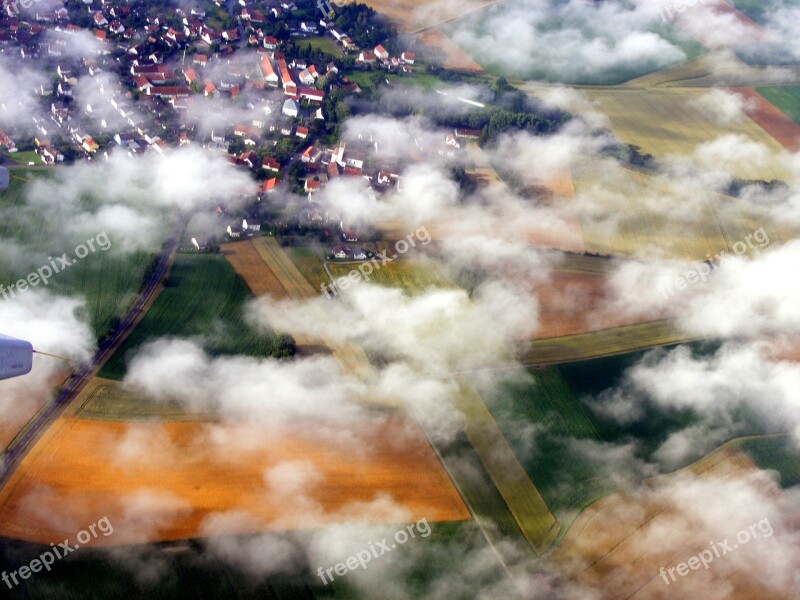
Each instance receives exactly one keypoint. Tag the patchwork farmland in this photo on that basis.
(516, 383)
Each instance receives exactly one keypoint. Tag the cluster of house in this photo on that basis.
(165, 62)
(246, 230)
(381, 56)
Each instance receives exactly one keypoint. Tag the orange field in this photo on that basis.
(246, 261)
(618, 545)
(455, 57)
(572, 303)
(381, 470)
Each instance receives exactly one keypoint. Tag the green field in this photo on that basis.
(196, 573)
(777, 453)
(760, 10)
(93, 573)
(785, 97)
(410, 275)
(324, 44)
(203, 298)
(111, 401)
(541, 418)
(23, 158)
(309, 264)
(549, 423)
(425, 81)
(106, 280)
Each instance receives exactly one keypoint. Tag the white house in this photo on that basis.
(291, 108)
(381, 52)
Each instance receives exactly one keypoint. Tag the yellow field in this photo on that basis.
(410, 275)
(717, 69)
(643, 213)
(663, 122)
(284, 269)
(526, 504)
(600, 343)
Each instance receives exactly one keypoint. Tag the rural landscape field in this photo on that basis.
(400, 299)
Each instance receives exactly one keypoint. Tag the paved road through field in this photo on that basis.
(45, 417)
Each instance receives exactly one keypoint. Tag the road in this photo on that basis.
(19, 446)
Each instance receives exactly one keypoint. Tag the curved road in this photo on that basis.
(18, 448)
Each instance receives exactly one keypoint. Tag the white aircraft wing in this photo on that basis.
(16, 357)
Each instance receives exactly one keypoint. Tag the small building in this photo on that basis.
(341, 251)
(270, 164)
(269, 185)
(468, 134)
(291, 108)
(381, 52)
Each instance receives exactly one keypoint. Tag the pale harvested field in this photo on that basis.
(615, 548)
(455, 57)
(274, 265)
(82, 470)
(645, 214)
(416, 15)
(246, 262)
(555, 225)
(290, 278)
(716, 69)
(662, 122)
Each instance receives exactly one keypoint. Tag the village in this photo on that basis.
(128, 79)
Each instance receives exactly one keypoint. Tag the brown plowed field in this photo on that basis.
(771, 119)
